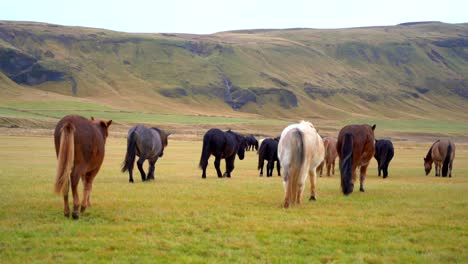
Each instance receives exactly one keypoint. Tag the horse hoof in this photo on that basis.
(130, 181)
(82, 209)
(75, 215)
(361, 189)
(67, 215)
(312, 198)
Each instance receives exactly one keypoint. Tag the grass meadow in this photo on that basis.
(406, 218)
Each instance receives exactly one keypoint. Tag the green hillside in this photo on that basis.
(410, 71)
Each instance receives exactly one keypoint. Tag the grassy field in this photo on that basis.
(406, 218)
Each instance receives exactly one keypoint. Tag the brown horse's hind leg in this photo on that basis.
(362, 177)
(66, 207)
(75, 179)
(87, 188)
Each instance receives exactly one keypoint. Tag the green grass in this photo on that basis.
(40, 110)
(407, 218)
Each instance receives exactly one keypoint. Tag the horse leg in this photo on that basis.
(378, 167)
(313, 184)
(230, 166)
(217, 162)
(66, 207)
(260, 164)
(75, 179)
(87, 188)
(328, 168)
(140, 168)
(152, 166)
(320, 168)
(270, 167)
(385, 170)
(437, 172)
(278, 168)
(130, 175)
(362, 177)
(333, 167)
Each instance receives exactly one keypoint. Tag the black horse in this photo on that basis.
(383, 154)
(251, 143)
(269, 151)
(222, 145)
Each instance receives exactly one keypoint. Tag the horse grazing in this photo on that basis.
(269, 151)
(442, 153)
(355, 148)
(222, 145)
(79, 146)
(330, 156)
(383, 154)
(300, 151)
(251, 143)
(146, 143)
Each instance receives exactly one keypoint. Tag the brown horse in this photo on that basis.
(442, 153)
(330, 156)
(355, 148)
(79, 145)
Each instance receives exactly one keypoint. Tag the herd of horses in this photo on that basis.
(299, 153)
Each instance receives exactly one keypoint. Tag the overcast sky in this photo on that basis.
(210, 16)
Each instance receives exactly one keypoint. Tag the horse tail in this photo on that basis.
(295, 165)
(131, 152)
(346, 164)
(66, 158)
(447, 161)
(261, 155)
(205, 155)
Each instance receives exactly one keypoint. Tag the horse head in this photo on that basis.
(102, 125)
(427, 165)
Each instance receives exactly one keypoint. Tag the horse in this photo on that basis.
(300, 151)
(79, 146)
(442, 153)
(147, 144)
(222, 145)
(355, 148)
(269, 151)
(383, 154)
(330, 156)
(251, 143)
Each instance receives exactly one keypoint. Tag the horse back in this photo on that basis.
(88, 140)
(363, 142)
(440, 147)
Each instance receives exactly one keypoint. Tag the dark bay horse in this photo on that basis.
(383, 154)
(300, 150)
(251, 143)
(79, 146)
(330, 156)
(147, 144)
(269, 151)
(355, 148)
(442, 153)
(222, 145)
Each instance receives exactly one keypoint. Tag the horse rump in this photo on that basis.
(293, 165)
(66, 158)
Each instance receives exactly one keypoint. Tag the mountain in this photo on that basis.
(407, 71)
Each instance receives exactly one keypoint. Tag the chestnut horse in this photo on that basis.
(300, 151)
(442, 153)
(330, 156)
(79, 145)
(355, 148)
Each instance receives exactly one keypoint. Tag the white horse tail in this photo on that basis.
(294, 155)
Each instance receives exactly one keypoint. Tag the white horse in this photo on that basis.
(300, 151)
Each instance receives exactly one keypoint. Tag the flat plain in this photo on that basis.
(179, 217)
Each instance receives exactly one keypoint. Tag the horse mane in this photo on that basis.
(429, 153)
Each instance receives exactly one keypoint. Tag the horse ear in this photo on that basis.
(373, 127)
(109, 123)
(92, 118)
